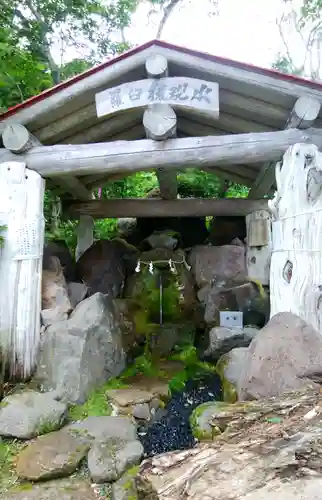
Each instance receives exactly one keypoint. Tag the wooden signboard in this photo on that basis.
(179, 92)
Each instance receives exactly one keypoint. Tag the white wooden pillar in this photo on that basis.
(259, 245)
(296, 265)
(21, 210)
(85, 236)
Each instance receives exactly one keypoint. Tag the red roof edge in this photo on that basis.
(203, 55)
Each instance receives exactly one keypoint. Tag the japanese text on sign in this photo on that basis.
(177, 91)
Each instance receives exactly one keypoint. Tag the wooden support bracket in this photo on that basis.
(304, 113)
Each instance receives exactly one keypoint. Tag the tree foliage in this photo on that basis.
(300, 29)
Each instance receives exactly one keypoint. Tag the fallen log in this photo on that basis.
(270, 450)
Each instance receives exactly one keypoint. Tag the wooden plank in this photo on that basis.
(18, 139)
(156, 207)
(133, 156)
(303, 115)
(179, 92)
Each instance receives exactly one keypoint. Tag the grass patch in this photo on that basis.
(193, 368)
(143, 365)
(97, 404)
(9, 451)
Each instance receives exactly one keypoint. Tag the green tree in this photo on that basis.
(300, 29)
(35, 25)
(21, 75)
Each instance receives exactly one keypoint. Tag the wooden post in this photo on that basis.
(160, 123)
(84, 234)
(296, 265)
(21, 210)
(259, 245)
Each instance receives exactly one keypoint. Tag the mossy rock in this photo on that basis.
(200, 421)
(125, 487)
(229, 390)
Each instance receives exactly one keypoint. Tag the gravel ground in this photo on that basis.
(173, 432)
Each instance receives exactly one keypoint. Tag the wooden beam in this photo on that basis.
(160, 123)
(157, 207)
(303, 115)
(156, 66)
(133, 156)
(18, 140)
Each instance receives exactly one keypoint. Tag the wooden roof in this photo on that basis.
(251, 100)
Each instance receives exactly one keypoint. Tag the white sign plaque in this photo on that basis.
(179, 92)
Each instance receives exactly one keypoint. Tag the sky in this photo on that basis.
(244, 30)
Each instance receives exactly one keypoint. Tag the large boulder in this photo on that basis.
(269, 450)
(223, 339)
(73, 488)
(57, 454)
(217, 264)
(30, 414)
(82, 352)
(105, 266)
(107, 462)
(59, 249)
(283, 356)
(56, 304)
(248, 297)
(224, 229)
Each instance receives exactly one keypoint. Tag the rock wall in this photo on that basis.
(124, 300)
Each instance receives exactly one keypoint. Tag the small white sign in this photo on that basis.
(231, 319)
(178, 91)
